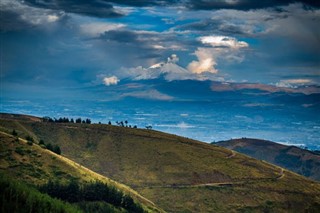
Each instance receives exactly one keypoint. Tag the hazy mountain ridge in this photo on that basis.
(298, 160)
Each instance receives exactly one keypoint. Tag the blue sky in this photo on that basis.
(103, 50)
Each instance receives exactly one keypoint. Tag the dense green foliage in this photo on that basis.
(54, 148)
(18, 197)
(74, 192)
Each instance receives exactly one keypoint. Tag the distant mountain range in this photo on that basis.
(293, 158)
(225, 86)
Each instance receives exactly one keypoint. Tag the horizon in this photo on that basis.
(207, 70)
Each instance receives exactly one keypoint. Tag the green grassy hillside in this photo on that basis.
(34, 165)
(178, 174)
(293, 158)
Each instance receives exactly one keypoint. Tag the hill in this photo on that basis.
(176, 173)
(25, 166)
(293, 158)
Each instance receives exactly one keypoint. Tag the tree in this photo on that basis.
(148, 127)
(56, 149)
(41, 142)
(78, 120)
(14, 133)
(109, 123)
(49, 146)
(29, 138)
(88, 121)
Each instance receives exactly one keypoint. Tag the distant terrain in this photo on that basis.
(177, 174)
(293, 158)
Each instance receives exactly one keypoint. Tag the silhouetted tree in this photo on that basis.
(109, 122)
(78, 120)
(41, 142)
(88, 121)
(14, 133)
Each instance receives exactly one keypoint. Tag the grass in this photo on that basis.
(176, 173)
(36, 166)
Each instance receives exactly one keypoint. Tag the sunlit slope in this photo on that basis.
(178, 174)
(35, 165)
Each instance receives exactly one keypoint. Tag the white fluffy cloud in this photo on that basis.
(206, 62)
(223, 42)
(113, 80)
(225, 46)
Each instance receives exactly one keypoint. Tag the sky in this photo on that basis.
(107, 50)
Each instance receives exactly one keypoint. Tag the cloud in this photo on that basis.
(294, 83)
(244, 4)
(97, 8)
(206, 61)
(113, 80)
(97, 28)
(225, 46)
(18, 16)
(223, 41)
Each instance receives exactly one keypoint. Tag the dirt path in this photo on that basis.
(281, 174)
(233, 153)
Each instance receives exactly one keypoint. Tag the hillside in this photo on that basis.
(176, 173)
(33, 165)
(293, 158)
(28, 199)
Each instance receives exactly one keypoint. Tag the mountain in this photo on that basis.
(293, 158)
(229, 86)
(176, 173)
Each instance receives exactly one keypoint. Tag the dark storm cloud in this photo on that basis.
(245, 4)
(209, 26)
(121, 36)
(11, 21)
(105, 9)
(146, 39)
(102, 9)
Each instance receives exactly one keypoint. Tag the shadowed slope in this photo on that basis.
(298, 160)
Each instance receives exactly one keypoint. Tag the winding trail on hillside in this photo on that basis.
(281, 174)
(233, 153)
